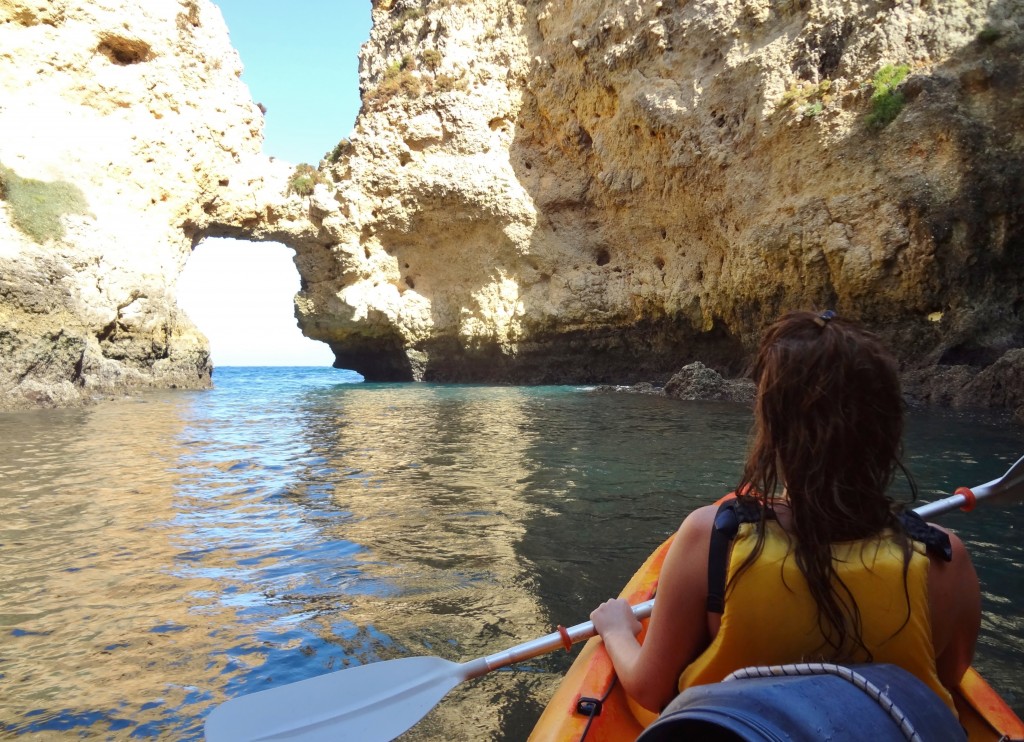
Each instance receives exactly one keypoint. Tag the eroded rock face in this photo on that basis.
(605, 190)
(121, 123)
(602, 190)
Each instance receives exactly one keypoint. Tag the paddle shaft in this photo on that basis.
(1007, 487)
(542, 645)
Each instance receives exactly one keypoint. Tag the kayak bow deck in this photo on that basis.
(591, 679)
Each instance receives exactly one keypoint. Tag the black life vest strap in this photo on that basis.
(731, 514)
(935, 541)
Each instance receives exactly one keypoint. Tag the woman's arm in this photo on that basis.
(678, 630)
(954, 598)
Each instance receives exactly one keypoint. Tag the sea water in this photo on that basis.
(164, 553)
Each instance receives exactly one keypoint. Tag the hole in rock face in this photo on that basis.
(603, 257)
(124, 51)
(241, 295)
(659, 263)
(969, 354)
(409, 282)
(583, 139)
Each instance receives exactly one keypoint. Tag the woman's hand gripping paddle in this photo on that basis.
(379, 701)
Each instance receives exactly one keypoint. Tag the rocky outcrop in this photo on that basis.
(697, 381)
(999, 385)
(122, 123)
(535, 191)
(602, 191)
(694, 381)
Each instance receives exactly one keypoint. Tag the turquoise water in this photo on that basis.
(166, 553)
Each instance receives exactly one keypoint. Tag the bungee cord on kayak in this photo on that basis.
(901, 717)
(592, 707)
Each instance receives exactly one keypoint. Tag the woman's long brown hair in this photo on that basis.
(828, 429)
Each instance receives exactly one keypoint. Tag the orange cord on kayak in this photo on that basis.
(566, 640)
(969, 497)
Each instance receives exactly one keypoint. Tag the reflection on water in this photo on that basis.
(92, 616)
(164, 554)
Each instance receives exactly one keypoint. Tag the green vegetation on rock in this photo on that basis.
(402, 78)
(406, 16)
(887, 101)
(431, 59)
(304, 179)
(447, 83)
(808, 98)
(36, 206)
(399, 79)
(340, 150)
(989, 35)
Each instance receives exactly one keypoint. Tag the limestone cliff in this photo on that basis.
(120, 123)
(603, 190)
(598, 190)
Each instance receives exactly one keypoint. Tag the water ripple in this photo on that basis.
(162, 555)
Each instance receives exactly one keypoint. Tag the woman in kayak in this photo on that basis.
(816, 563)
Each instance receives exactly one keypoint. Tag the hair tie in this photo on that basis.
(822, 319)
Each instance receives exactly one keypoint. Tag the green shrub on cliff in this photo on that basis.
(989, 35)
(341, 149)
(36, 206)
(304, 179)
(446, 83)
(406, 16)
(403, 79)
(807, 98)
(399, 79)
(886, 100)
(431, 59)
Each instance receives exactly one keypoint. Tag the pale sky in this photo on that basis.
(301, 62)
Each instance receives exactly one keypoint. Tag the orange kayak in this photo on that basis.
(982, 712)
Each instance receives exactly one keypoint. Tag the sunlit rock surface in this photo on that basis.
(604, 191)
(535, 191)
(134, 108)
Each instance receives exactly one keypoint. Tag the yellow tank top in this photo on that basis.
(770, 617)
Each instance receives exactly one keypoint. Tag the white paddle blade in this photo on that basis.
(1009, 487)
(370, 703)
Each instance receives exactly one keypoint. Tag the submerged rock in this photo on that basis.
(695, 381)
(644, 387)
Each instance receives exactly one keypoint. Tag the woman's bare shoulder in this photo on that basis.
(700, 520)
(689, 551)
(949, 579)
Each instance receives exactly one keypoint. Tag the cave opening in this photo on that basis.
(241, 296)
